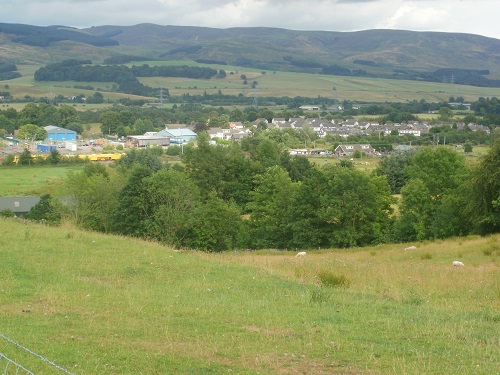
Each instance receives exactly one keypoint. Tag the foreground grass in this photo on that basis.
(103, 304)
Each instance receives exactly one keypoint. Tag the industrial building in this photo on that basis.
(178, 136)
(149, 140)
(58, 134)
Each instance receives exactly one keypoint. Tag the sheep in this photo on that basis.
(301, 254)
(457, 263)
(411, 248)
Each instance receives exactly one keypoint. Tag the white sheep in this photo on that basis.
(301, 254)
(410, 248)
(457, 263)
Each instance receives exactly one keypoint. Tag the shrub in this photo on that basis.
(330, 279)
(489, 251)
(7, 213)
(173, 150)
(9, 160)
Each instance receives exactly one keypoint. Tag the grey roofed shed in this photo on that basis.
(20, 205)
(149, 140)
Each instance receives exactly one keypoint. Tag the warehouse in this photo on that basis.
(58, 134)
(149, 140)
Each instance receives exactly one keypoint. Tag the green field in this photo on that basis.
(269, 83)
(34, 180)
(312, 85)
(96, 304)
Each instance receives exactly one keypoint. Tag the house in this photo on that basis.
(301, 151)
(19, 205)
(348, 150)
(297, 122)
(258, 121)
(278, 121)
(220, 133)
(238, 136)
(408, 129)
(236, 125)
(475, 128)
(350, 123)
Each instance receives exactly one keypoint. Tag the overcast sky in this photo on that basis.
(468, 16)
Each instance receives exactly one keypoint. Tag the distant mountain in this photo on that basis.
(43, 36)
(278, 48)
(383, 53)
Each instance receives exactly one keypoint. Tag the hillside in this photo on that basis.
(291, 50)
(95, 304)
(380, 53)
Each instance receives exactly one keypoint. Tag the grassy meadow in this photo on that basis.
(99, 304)
(269, 83)
(33, 180)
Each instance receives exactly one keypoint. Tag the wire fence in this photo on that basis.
(11, 366)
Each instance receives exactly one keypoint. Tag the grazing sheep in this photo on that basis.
(457, 263)
(301, 254)
(411, 248)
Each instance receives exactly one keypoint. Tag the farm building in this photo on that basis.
(56, 134)
(19, 205)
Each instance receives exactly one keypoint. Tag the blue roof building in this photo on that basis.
(58, 134)
(178, 136)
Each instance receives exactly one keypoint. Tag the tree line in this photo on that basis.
(229, 197)
(125, 77)
(125, 120)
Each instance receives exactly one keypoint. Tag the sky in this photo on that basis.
(466, 16)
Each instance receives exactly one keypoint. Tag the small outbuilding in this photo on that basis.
(19, 205)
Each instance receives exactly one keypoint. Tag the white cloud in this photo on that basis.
(470, 16)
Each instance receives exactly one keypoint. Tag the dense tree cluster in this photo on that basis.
(222, 198)
(126, 78)
(173, 71)
(8, 71)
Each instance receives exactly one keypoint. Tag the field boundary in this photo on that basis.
(21, 367)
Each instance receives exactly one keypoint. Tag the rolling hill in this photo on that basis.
(381, 53)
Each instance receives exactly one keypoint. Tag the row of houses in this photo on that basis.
(345, 128)
(345, 150)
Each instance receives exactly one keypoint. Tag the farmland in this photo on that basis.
(94, 303)
(269, 84)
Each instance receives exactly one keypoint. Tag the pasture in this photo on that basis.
(32, 180)
(94, 303)
(269, 83)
